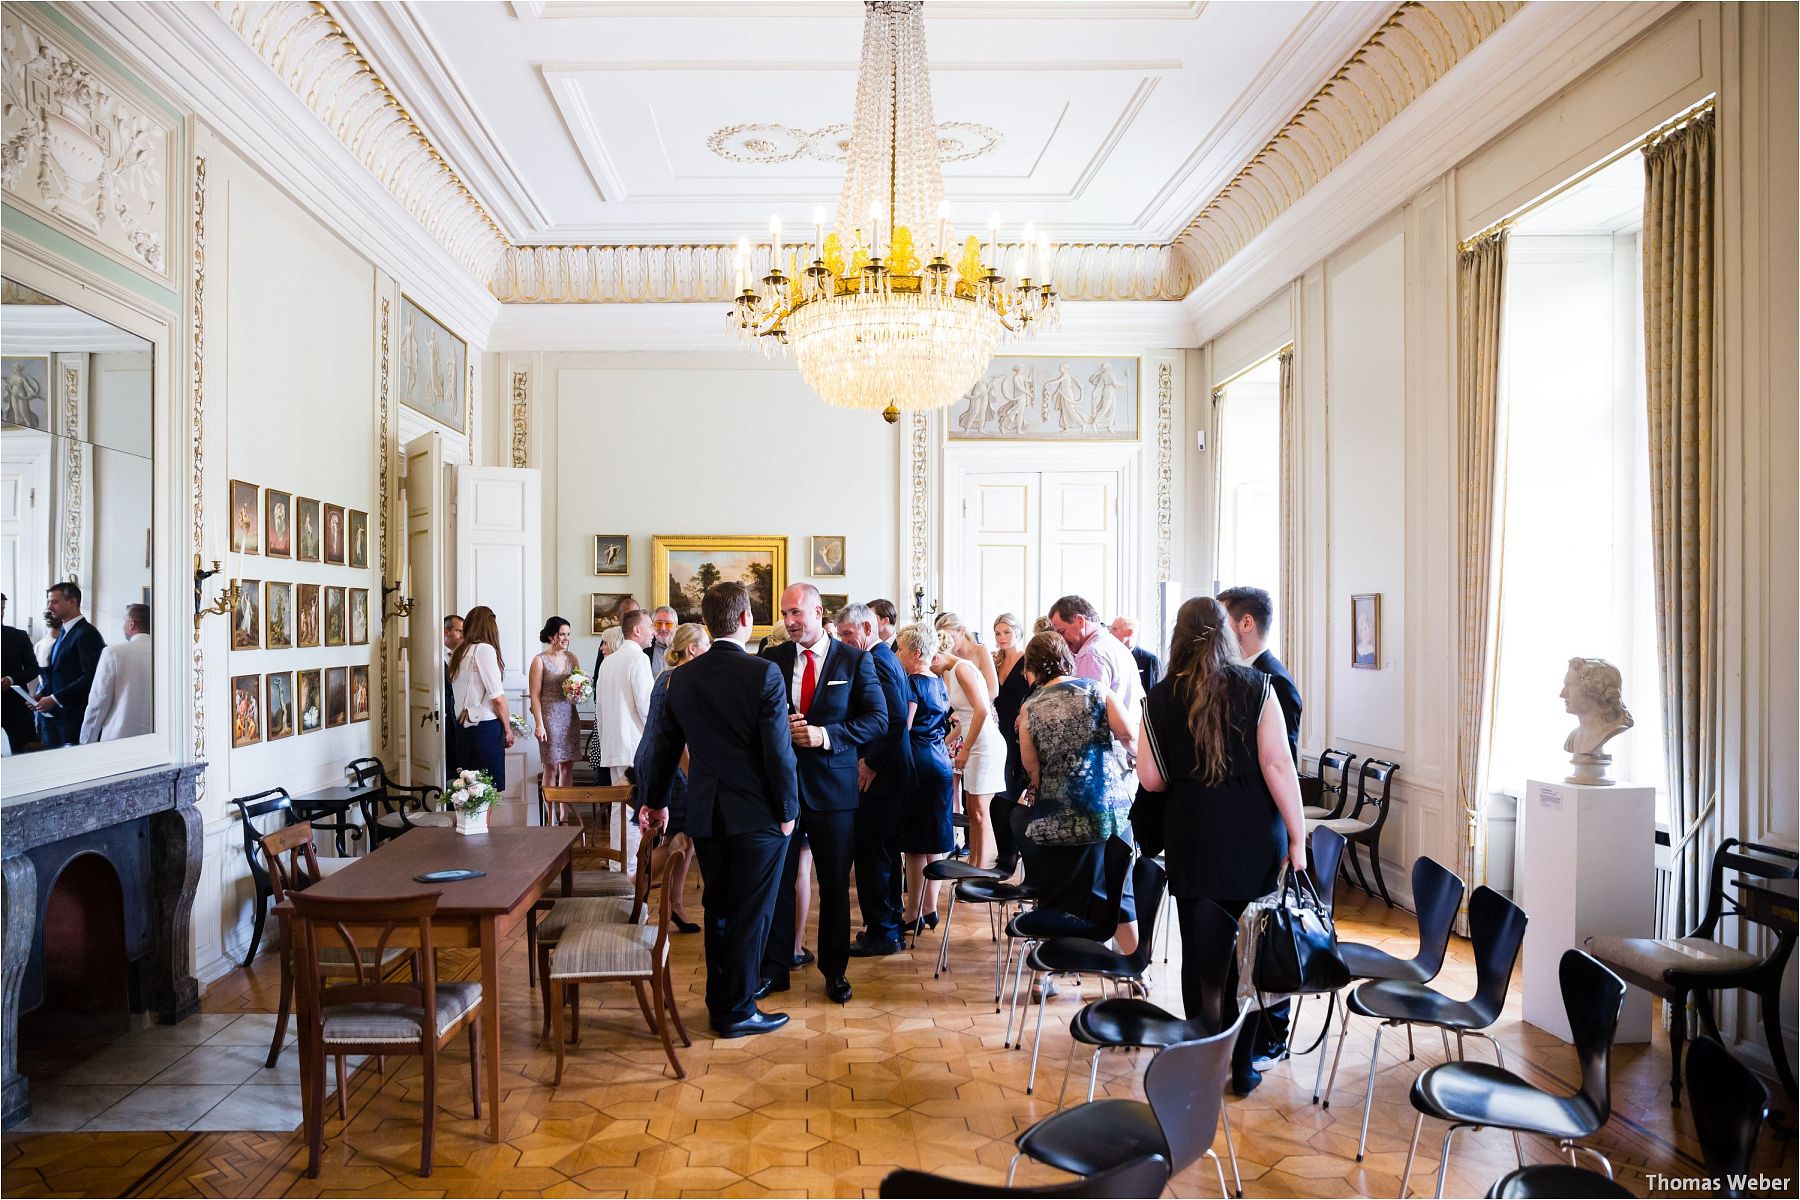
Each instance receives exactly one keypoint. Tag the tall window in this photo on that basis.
(1575, 548)
(1247, 441)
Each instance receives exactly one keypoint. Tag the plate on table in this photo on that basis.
(448, 876)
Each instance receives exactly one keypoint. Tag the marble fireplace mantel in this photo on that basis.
(146, 825)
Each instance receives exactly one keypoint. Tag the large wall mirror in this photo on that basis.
(76, 525)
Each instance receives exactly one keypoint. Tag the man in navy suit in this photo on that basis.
(63, 695)
(882, 776)
(729, 709)
(835, 706)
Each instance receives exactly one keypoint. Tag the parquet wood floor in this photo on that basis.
(911, 1073)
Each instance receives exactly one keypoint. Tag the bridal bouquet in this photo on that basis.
(520, 725)
(578, 687)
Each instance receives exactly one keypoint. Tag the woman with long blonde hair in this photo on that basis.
(978, 752)
(484, 725)
(1214, 743)
(965, 647)
(689, 642)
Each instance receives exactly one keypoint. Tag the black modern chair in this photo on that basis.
(1146, 1176)
(1334, 785)
(994, 890)
(1497, 927)
(1730, 1108)
(1036, 925)
(390, 809)
(1127, 1022)
(1476, 1095)
(1364, 824)
(1184, 1094)
(1700, 964)
(1324, 855)
(1555, 1181)
(1091, 956)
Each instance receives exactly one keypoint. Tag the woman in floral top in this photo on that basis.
(1067, 735)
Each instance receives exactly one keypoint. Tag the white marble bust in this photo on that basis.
(1591, 691)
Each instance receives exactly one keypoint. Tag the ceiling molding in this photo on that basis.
(1087, 327)
(309, 51)
(980, 10)
(1522, 66)
(1410, 52)
(687, 274)
(196, 59)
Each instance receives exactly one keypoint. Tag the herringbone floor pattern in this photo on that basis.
(911, 1073)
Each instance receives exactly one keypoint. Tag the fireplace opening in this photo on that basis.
(87, 998)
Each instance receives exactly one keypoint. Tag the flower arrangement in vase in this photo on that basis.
(578, 687)
(470, 795)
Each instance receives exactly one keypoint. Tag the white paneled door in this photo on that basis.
(1029, 537)
(427, 514)
(499, 563)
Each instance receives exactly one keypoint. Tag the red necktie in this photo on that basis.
(808, 682)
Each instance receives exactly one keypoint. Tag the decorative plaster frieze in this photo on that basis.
(306, 47)
(958, 141)
(79, 151)
(469, 415)
(1411, 51)
(689, 274)
(74, 475)
(521, 407)
(1165, 471)
(918, 475)
(197, 448)
(385, 455)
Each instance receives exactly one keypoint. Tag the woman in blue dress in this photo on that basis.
(924, 834)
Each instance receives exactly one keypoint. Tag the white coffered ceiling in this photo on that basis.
(595, 123)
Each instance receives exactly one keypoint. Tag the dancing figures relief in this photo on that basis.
(1023, 398)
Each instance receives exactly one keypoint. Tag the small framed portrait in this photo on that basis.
(833, 603)
(278, 524)
(25, 384)
(309, 687)
(244, 522)
(1365, 631)
(359, 616)
(827, 556)
(359, 693)
(246, 710)
(612, 554)
(278, 706)
(337, 689)
(278, 616)
(334, 617)
(334, 534)
(359, 539)
(605, 610)
(308, 529)
(306, 614)
(246, 617)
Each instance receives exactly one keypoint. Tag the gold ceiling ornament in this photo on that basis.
(882, 318)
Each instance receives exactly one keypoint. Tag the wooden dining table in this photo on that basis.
(520, 864)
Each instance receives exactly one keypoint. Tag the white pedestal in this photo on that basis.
(1586, 867)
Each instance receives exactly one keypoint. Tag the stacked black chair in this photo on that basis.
(1730, 1108)
(1497, 927)
(1036, 925)
(1364, 824)
(1146, 1176)
(1700, 964)
(991, 889)
(1475, 1095)
(250, 809)
(1184, 1094)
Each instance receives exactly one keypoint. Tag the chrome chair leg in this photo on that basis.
(1343, 1031)
(1362, 1143)
(1412, 1153)
(1013, 1169)
(1444, 1162)
(1605, 1163)
(943, 954)
(1094, 1074)
(1220, 1168)
(1037, 1040)
(1319, 1072)
(1069, 1069)
(1231, 1149)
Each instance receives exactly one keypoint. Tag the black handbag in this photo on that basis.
(1296, 945)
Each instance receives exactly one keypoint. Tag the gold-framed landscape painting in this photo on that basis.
(685, 566)
(603, 610)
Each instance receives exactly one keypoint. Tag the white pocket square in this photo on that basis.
(836, 682)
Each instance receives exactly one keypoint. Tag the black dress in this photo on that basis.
(925, 811)
(1224, 841)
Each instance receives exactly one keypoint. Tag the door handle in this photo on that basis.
(433, 717)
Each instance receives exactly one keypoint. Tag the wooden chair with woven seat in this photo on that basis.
(390, 809)
(605, 882)
(635, 954)
(554, 918)
(1364, 824)
(560, 804)
(368, 1015)
(294, 866)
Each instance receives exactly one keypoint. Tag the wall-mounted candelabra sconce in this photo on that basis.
(403, 605)
(920, 609)
(226, 601)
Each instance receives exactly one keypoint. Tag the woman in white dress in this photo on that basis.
(980, 756)
(965, 647)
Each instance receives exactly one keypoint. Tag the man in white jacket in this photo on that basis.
(120, 704)
(622, 695)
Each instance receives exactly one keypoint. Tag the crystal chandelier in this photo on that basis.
(883, 319)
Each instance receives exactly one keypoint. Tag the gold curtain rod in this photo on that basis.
(1285, 348)
(1581, 177)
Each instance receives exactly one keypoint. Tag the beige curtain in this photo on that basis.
(1480, 273)
(1678, 371)
(1288, 609)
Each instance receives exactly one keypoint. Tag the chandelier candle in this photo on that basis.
(871, 323)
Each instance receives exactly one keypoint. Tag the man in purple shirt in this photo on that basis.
(1098, 654)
